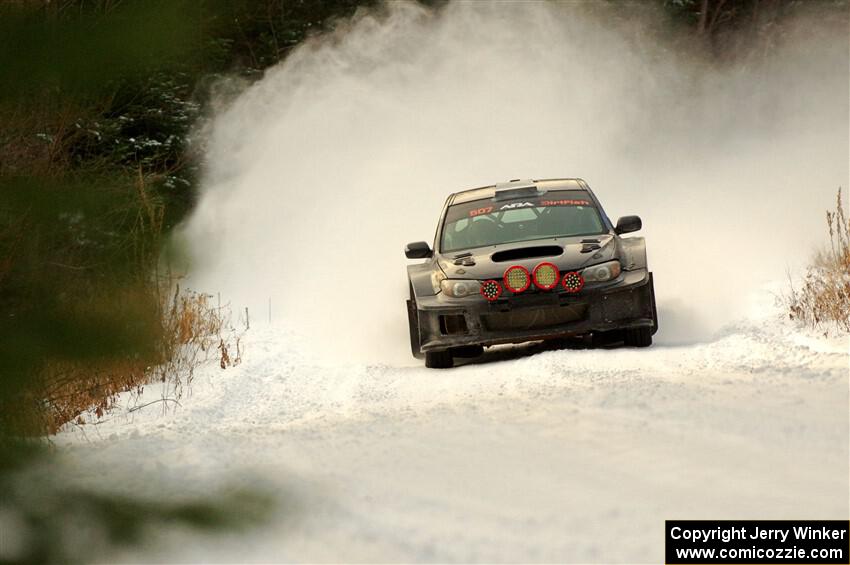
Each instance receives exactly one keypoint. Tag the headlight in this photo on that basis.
(572, 282)
(491, 290)
(602, 272)
(517, 279)
(545, 276)
(459, 288)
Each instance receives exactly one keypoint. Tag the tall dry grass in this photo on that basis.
(194, 332)
(823, 301)
(97, 317)
(191, 332)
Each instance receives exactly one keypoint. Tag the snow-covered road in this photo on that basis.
(569, 455)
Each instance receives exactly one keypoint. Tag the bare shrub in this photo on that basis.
(824, 298)
(194, 332)
(191, 331)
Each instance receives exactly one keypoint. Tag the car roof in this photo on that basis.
(540, 184)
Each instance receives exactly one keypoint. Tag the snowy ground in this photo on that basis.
(570, 455)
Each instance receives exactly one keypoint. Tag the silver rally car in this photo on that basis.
(527, 260)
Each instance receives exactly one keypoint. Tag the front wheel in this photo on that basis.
(439, 359)
(638, 337)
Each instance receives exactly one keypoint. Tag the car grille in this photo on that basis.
(530, 319)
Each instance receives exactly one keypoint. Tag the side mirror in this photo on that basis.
(417, 250)
(628, 224)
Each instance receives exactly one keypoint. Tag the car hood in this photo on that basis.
(566, 253)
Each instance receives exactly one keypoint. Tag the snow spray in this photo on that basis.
(317, 175)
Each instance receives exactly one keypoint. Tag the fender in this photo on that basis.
(420, 279)
(633, 253)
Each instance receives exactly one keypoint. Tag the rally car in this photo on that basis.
(527, 260)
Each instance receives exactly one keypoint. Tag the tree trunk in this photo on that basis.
(703, 17)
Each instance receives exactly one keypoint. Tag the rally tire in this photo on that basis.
(654, 306)
(639, 337)
(439, 359)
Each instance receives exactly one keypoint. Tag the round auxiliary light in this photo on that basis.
(572, 282)
(491, 290)
(517, 278)
(546, 276)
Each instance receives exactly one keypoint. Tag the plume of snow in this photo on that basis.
(317, 175)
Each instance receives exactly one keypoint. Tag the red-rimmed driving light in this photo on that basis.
(572, 282)
(545, 276)
(491, 290)
(517, 278)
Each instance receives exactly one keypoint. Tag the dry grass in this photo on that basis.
(823, 301)
(195, 332)
(192, 332)
(98, 318)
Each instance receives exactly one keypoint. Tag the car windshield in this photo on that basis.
(479, 223)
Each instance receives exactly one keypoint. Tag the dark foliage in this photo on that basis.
(98, 102)
(726, 27)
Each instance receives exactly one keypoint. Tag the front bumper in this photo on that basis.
(627, 302)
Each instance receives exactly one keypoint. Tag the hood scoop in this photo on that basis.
(588, 245)
(464, 259)
(527, 253)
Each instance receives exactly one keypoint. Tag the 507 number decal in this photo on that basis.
(480, 211)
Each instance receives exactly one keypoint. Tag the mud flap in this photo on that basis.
(654, 308)
(413, 326)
